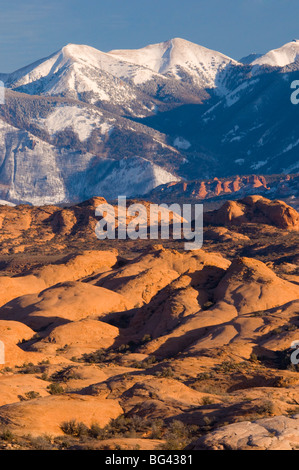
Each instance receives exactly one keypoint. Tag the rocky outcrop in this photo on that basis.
(214, 191)
(209, 189)
(279, 433)
(255, 209)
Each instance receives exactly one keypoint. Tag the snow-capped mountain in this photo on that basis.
(179, 58)
(82, 122)
(280, 57)
(133, 82)
(82, 73)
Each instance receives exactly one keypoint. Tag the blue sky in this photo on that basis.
(32, 29)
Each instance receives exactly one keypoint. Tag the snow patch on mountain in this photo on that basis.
(129, 177)
(81, 120)
(36, 172)
(234, 96)
(259, 164)
(181, 143)
(6, 203)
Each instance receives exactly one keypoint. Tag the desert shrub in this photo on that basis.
(145, 364)
(260, 313)
(166, 372)
(178, 435)
(96, 357)
(208, 305)
(55, 389)
(63, 375)
(128, 427)
(41, 443)
(207, 401)
(74, 428)
(146, 339)
(6, 435)
(6, 370)
(253, 357)
(277, 331)
(96, 432)
(204, 376)
(29, 396)
(29, 368)
(266, 408)
(63, 349)
(231, 366)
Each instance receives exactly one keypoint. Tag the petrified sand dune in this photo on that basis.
(45, 415)
(14, 387)
(255, 209)
(223, 234)
(167, 391)
(75, 268)
(145, 276)
(249, 285)
(71, 301)
(12, 334)
(153, 332)
(80, 336)
(14, 331)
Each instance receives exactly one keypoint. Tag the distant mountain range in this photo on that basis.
(85, 123)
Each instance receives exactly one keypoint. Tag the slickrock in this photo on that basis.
(279, 433)
(71, 301)
(83, 336)
(14, 388)
(249, 285)
(46, 415)
(155, 337)
(76, 267)
(141, 279)
(255, 209)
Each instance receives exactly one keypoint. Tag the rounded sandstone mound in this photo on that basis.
(80, 337)
(279, 433)
(255, 209)
(72, 268)
(47, 415)
(71, 301)
(250, 285)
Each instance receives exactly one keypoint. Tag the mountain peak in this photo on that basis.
(166, 56)
(284, 55)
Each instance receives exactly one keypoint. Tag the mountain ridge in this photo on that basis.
(175, 110)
